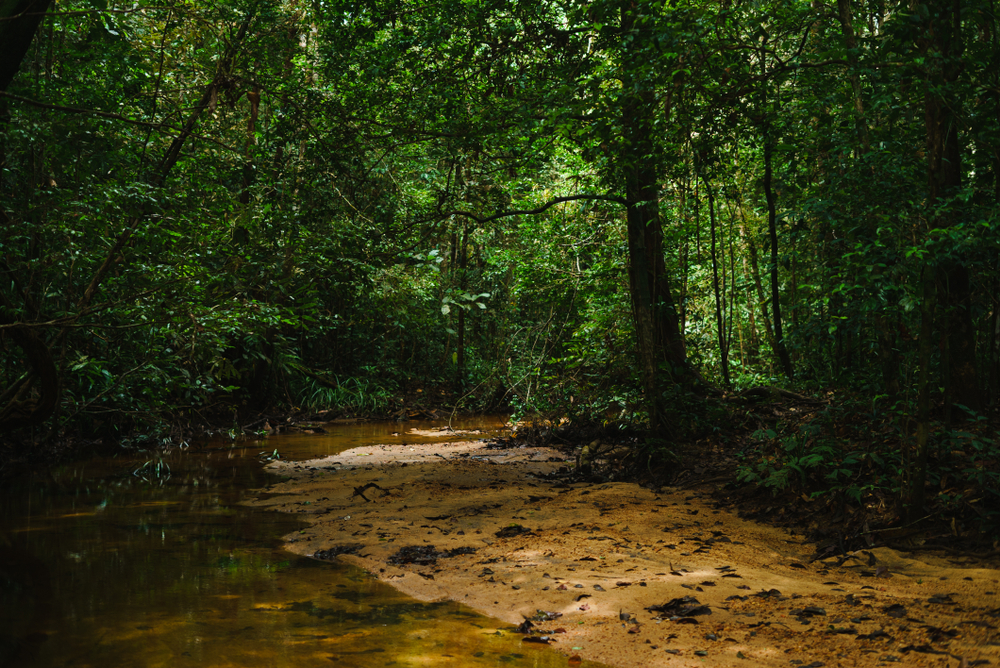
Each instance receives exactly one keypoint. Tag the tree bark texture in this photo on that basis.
(661, 347)
(19, 19)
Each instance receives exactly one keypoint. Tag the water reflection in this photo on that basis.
(112, 563)
(345, 436)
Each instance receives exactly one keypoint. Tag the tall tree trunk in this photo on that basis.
(772, 231)
(661, 347)
(641, 285)
(942, 103)
(772, 225)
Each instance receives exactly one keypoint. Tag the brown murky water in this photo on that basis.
(120, 562)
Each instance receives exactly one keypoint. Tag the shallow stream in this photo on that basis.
(135, 562)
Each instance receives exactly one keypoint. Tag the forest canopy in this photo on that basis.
(622, 210)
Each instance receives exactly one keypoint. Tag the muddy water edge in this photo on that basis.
(143, 560)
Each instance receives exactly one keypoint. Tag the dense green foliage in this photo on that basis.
(606, 209)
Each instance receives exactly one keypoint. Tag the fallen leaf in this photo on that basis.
(811, 611)
(896, 610)
(687, 606)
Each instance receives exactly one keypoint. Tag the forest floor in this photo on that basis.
(626, 575)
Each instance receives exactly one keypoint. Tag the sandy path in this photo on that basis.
(596, 556)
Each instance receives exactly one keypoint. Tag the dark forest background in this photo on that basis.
(659, 215)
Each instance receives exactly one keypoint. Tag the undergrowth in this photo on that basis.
(867, 459)
(354, 394)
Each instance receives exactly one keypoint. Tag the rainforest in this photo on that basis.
(748, 244)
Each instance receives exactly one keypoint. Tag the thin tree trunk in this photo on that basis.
(915, 490)
(736, 213)
(697, 223)
(772, 230)
(684, 251)
(720, 326)
(733, 320)
(761, 299)
(460, 343)
(682, 256)
(994, 344)
(772, 226)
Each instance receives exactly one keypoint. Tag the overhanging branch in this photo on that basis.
(528, 212)
(117, 117)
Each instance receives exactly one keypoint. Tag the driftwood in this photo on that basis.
(360, 491)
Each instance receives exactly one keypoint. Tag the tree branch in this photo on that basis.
(108, 114)
(529, 212)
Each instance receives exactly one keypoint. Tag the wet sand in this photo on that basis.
(586, 562)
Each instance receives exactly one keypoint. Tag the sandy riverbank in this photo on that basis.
(596, 556)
